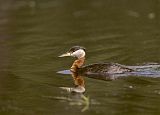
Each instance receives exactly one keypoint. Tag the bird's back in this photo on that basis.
(104, 68)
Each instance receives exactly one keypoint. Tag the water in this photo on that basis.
(34, 33)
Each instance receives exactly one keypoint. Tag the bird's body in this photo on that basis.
(104, 68)
(97, 68)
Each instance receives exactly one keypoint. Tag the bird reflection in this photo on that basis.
(79, 84)
(78, 99)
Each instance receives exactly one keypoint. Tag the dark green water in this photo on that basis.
(34, 33)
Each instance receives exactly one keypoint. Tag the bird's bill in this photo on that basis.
(66, 54)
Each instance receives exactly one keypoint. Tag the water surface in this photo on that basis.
(34, 33)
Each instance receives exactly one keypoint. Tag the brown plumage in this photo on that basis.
(98, 68)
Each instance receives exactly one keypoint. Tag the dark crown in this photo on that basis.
(75, 48)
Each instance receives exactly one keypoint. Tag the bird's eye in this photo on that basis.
(72, 50)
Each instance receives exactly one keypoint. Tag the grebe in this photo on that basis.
(98, 68)
(103, 71)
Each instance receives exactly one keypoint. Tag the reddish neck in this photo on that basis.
(78, 80)
(77, 64)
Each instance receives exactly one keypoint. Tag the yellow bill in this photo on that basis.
(66, 54)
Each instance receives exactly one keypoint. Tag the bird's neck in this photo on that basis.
(78, 63)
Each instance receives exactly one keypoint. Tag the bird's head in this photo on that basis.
(75, 51)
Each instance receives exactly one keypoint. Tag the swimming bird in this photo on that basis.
(78, 66)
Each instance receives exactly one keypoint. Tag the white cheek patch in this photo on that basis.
(79, 53)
